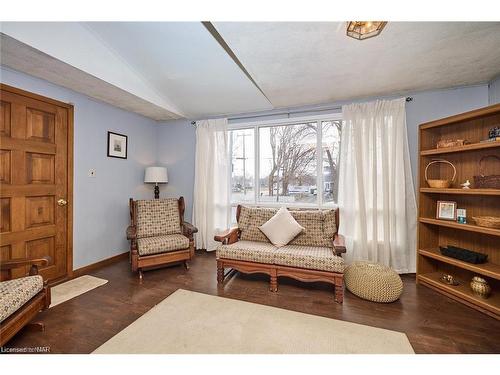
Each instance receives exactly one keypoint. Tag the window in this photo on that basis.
(294, 163)
(243, 165)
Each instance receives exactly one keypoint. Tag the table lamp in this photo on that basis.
(156, 175)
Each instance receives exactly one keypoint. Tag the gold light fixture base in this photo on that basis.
(362, 30)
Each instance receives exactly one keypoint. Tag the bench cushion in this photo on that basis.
(158, 217)
(253, 251)
(319, 228)
(162, 244)
(15, 293)
(309, 257)
(319, 225)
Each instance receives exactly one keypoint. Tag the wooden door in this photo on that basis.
(36, 181)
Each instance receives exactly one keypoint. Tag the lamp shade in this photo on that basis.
(156, 175)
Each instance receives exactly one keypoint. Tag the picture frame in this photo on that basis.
(446, 210)
(117, 145)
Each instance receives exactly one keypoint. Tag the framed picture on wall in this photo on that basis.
(117, 145)
(446, 210)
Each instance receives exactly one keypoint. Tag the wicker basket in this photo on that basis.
(486, 182)
(487, 221)
(440, 183)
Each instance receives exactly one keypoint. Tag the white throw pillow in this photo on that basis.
(281, 228)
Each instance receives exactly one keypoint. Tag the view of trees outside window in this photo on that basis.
(288, 170)
(288, 163)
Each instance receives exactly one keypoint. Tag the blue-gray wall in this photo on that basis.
(494, 91)
(176, 149)
(426, 106)
(101, 203)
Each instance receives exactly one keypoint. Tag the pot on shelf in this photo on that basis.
(480, 287)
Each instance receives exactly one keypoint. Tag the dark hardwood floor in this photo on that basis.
(433, 323)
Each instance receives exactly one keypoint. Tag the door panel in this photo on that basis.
(33, 177)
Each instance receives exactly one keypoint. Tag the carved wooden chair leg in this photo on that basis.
(140, 274)
(339, 289)
(186, 265)
(274, 283)
(220, 273)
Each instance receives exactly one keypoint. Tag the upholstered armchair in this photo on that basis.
(158, 233)
(21, 299)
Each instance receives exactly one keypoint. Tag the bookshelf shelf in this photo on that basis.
(462, 293)
(470, 147)
(494, 192)
(455, 225)
(487, 269)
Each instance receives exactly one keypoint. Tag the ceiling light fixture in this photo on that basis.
(364, 29)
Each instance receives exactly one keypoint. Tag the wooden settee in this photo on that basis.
(314, 255)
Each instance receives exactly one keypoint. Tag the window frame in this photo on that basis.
(256, 125)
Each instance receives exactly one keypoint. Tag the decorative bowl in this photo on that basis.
(480, 287)
(449, 279)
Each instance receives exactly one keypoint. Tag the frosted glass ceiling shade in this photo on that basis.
(156, 175)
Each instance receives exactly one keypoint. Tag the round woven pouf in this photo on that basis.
(373, 282)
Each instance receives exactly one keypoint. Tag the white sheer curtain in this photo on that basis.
(211, 187)
(376, 193)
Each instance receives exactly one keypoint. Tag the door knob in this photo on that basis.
(62, 202)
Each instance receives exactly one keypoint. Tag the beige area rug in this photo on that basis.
(73, 288)
(188, 322)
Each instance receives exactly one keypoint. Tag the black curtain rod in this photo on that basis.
(408, 99)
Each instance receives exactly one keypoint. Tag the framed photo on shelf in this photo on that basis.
(117, 145)
(446, 210)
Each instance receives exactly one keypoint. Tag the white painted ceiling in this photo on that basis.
(168, 70)
(311, 63)
(184, 63)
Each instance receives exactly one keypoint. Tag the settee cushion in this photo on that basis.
(162, 244)
(309, 257)
(253, 251)
(158, 217)
(251, 218)
(281, 228)
(15, 293)
(319, 225)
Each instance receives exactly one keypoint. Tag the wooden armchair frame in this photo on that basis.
(274, 271)
(41, 301)
(144, 261)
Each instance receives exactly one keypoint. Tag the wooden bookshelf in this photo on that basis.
(434, 233)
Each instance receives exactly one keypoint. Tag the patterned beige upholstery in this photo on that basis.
(15, 293)
(310, 257)
(252, 251)
(319, 225)
(162, 244)
(319, 228)
(251, 219)
(158, 217)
